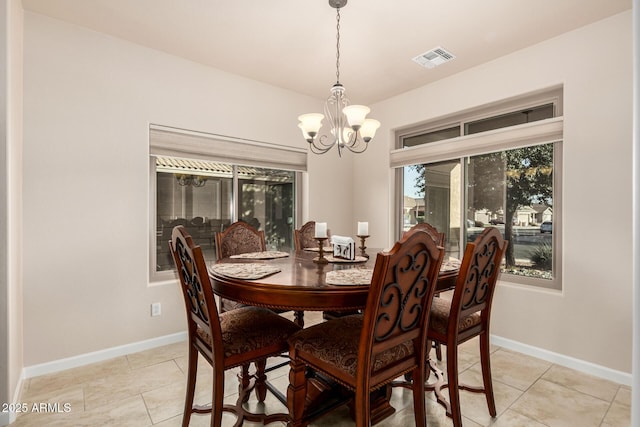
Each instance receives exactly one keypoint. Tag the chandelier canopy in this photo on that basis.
(350, 127)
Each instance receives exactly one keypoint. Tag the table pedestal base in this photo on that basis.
(324, 395)
(380, 405)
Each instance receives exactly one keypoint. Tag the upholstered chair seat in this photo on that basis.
(439, 321)
(335, 343)
(230, 305)
(247, 329)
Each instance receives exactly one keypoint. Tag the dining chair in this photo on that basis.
(226, 340)
(238, 238)
(467, 315)
(365, 352)
(304, 237)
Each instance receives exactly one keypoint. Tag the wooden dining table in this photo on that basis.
(299, 284)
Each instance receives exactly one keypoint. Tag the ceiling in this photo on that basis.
(292, 43)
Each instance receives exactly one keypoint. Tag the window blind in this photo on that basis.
(535, 133)
(175, 142)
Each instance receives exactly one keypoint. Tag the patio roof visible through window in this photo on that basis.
(216, 169)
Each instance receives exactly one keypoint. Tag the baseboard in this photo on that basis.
(101, 355)
(599, 371)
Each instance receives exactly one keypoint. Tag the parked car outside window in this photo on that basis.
(546, 227)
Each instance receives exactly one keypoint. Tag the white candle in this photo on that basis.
(321, 229)
(363, 228)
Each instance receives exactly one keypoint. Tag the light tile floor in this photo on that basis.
(147, 388)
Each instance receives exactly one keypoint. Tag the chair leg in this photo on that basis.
(192, 370)
(438, 348)
(261, 378)
(436, 344)
(362, 406)
(217, 396)
(297, 390)
(299, 318)
(419, 407)
(485, 361)
(243, 381)
(452, 381)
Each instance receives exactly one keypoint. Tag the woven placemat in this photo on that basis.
(451, 264)
(261, 255)
(248, 271)
(351, 276)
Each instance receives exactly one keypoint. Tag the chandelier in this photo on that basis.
(350, 128)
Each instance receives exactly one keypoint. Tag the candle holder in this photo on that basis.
(321, 259)
(362, 246)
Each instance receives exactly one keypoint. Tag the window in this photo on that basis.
(500, 170)
(195, 194)
(190, 187)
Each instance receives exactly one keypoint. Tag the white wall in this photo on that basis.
(591, 319)
(88, 102)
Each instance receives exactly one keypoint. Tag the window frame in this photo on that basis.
(181, 143)
(466, 146)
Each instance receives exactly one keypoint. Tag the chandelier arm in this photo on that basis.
(357, 145)
(322, 142)
(318, 145)
(317, 150)
(359, 150)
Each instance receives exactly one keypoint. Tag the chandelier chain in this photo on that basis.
(338, 45)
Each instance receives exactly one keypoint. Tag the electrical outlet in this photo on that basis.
(156, 309)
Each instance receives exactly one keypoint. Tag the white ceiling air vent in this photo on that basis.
(434, 57)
